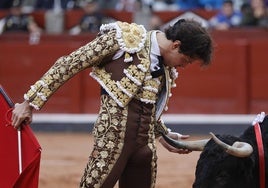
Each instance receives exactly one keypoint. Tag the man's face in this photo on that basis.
(227, 9)
(90, 7)
(176, 59)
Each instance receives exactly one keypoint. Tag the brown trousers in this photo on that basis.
(135, 166)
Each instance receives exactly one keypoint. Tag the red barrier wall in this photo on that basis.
(235, 83)
(219, 88)
(22, 64)
(259, 77)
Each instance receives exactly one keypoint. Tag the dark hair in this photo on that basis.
(228, 2)
(195, 40)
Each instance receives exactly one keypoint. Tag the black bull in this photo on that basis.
(216, 168)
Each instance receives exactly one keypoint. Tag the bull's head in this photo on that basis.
(227, 161)
(238, 149)
(218, 169)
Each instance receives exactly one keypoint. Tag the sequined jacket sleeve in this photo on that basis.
(92, 54)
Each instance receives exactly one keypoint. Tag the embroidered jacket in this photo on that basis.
(121, 80)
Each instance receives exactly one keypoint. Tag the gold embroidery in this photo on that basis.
(130, 37)
(123, 90)
(110, 86)
(66, 67)
(134, 83)
(109, 133)
(133, 36)
(152, 146)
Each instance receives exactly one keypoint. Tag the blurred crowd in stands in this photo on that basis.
(129, 5)
(229, 13)
(252, 13)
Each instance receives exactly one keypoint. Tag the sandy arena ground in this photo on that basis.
(64, 156)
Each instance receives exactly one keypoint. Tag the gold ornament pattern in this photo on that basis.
(152, 146)
(109, 133)
(66, 67)
(134, 76)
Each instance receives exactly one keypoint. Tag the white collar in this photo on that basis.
(155, 50)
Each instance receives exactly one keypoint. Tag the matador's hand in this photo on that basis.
(175, 136)
(21, 114)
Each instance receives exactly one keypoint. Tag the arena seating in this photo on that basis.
(235, 83)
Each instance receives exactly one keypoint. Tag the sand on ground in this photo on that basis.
(64, 156)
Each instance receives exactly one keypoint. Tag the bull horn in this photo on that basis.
(197, 145)
(238, 149)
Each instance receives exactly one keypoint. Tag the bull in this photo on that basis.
(228, 161)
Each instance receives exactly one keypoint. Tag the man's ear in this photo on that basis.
(176, 44)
